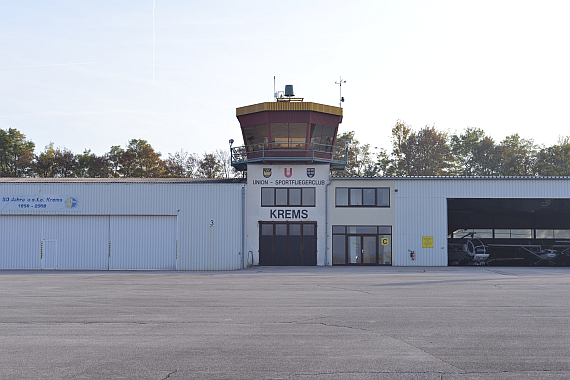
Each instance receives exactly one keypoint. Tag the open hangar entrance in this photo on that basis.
(508, 231)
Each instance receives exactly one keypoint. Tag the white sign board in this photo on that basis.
(31, 203)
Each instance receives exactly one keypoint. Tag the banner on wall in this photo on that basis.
(31, 203)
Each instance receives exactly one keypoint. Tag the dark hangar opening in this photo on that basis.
(508, 231)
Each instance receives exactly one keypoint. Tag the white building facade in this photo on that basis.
(283, 215)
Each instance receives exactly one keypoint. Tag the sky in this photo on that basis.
(95, 74)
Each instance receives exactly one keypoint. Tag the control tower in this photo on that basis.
(289, 130)
(289, 150)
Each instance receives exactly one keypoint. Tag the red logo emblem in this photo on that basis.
(290, 172)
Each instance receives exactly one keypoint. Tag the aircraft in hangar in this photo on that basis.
(474, 251)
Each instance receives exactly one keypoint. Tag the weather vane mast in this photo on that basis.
(340, 86)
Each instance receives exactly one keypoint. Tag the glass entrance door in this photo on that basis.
(362, 250)
(361, 245)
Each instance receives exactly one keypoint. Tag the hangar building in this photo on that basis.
(289, 211)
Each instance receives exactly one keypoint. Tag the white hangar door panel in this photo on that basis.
(143, 242)
(76, 242)
(20, 242)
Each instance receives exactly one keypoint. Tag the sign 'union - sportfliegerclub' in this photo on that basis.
(306, 177)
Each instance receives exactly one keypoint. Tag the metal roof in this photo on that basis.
(289, 106)
(124, 180)
(459, 178)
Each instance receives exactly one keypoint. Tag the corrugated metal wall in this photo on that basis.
(212, 227)
(171, 226)
(142, 242)
(421, 210)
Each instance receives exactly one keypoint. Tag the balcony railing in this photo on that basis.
(277, 153)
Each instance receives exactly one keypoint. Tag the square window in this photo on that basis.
(280, 230)
(294, 229)
(308, 229)
(267, 229)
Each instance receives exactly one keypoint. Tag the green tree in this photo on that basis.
(486, 158)
(16, 154)
(92, 166)
(554, 160)
(400, 134)
(463, 147)
(424, 153)
(56, 163)
(138, 160)
(518, 156)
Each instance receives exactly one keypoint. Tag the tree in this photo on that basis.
(92, 166)
(554, 160)
(181, 164)
(224, 159)
(518, 156)
(55, 163)
(475, 153)
(16, 154)
(463, 147)
(400, 134)
(486, 158)
(138, 160)
(423, 153)
(359, 160)
(209, 167)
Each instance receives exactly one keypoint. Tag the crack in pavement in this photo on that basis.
(347, 289)
(170, 373)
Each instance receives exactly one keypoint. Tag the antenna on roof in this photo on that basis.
(340, 85)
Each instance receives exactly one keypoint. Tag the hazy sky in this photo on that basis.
(82, 73)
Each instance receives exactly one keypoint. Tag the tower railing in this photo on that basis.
(277, 153)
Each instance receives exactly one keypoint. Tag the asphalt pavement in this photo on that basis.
(460, 323)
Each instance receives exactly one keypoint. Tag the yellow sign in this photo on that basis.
(427, 241)
(385, 241)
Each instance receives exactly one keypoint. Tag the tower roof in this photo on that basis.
(288, 106)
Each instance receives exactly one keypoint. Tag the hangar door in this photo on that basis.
(54, 242)
(509, 231)
(142, 242)
(288, 243)
(87, 242)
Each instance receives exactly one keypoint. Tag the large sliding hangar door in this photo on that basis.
(89, 242)
(509, 231)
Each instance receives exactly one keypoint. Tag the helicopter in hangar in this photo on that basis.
(474, 251)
